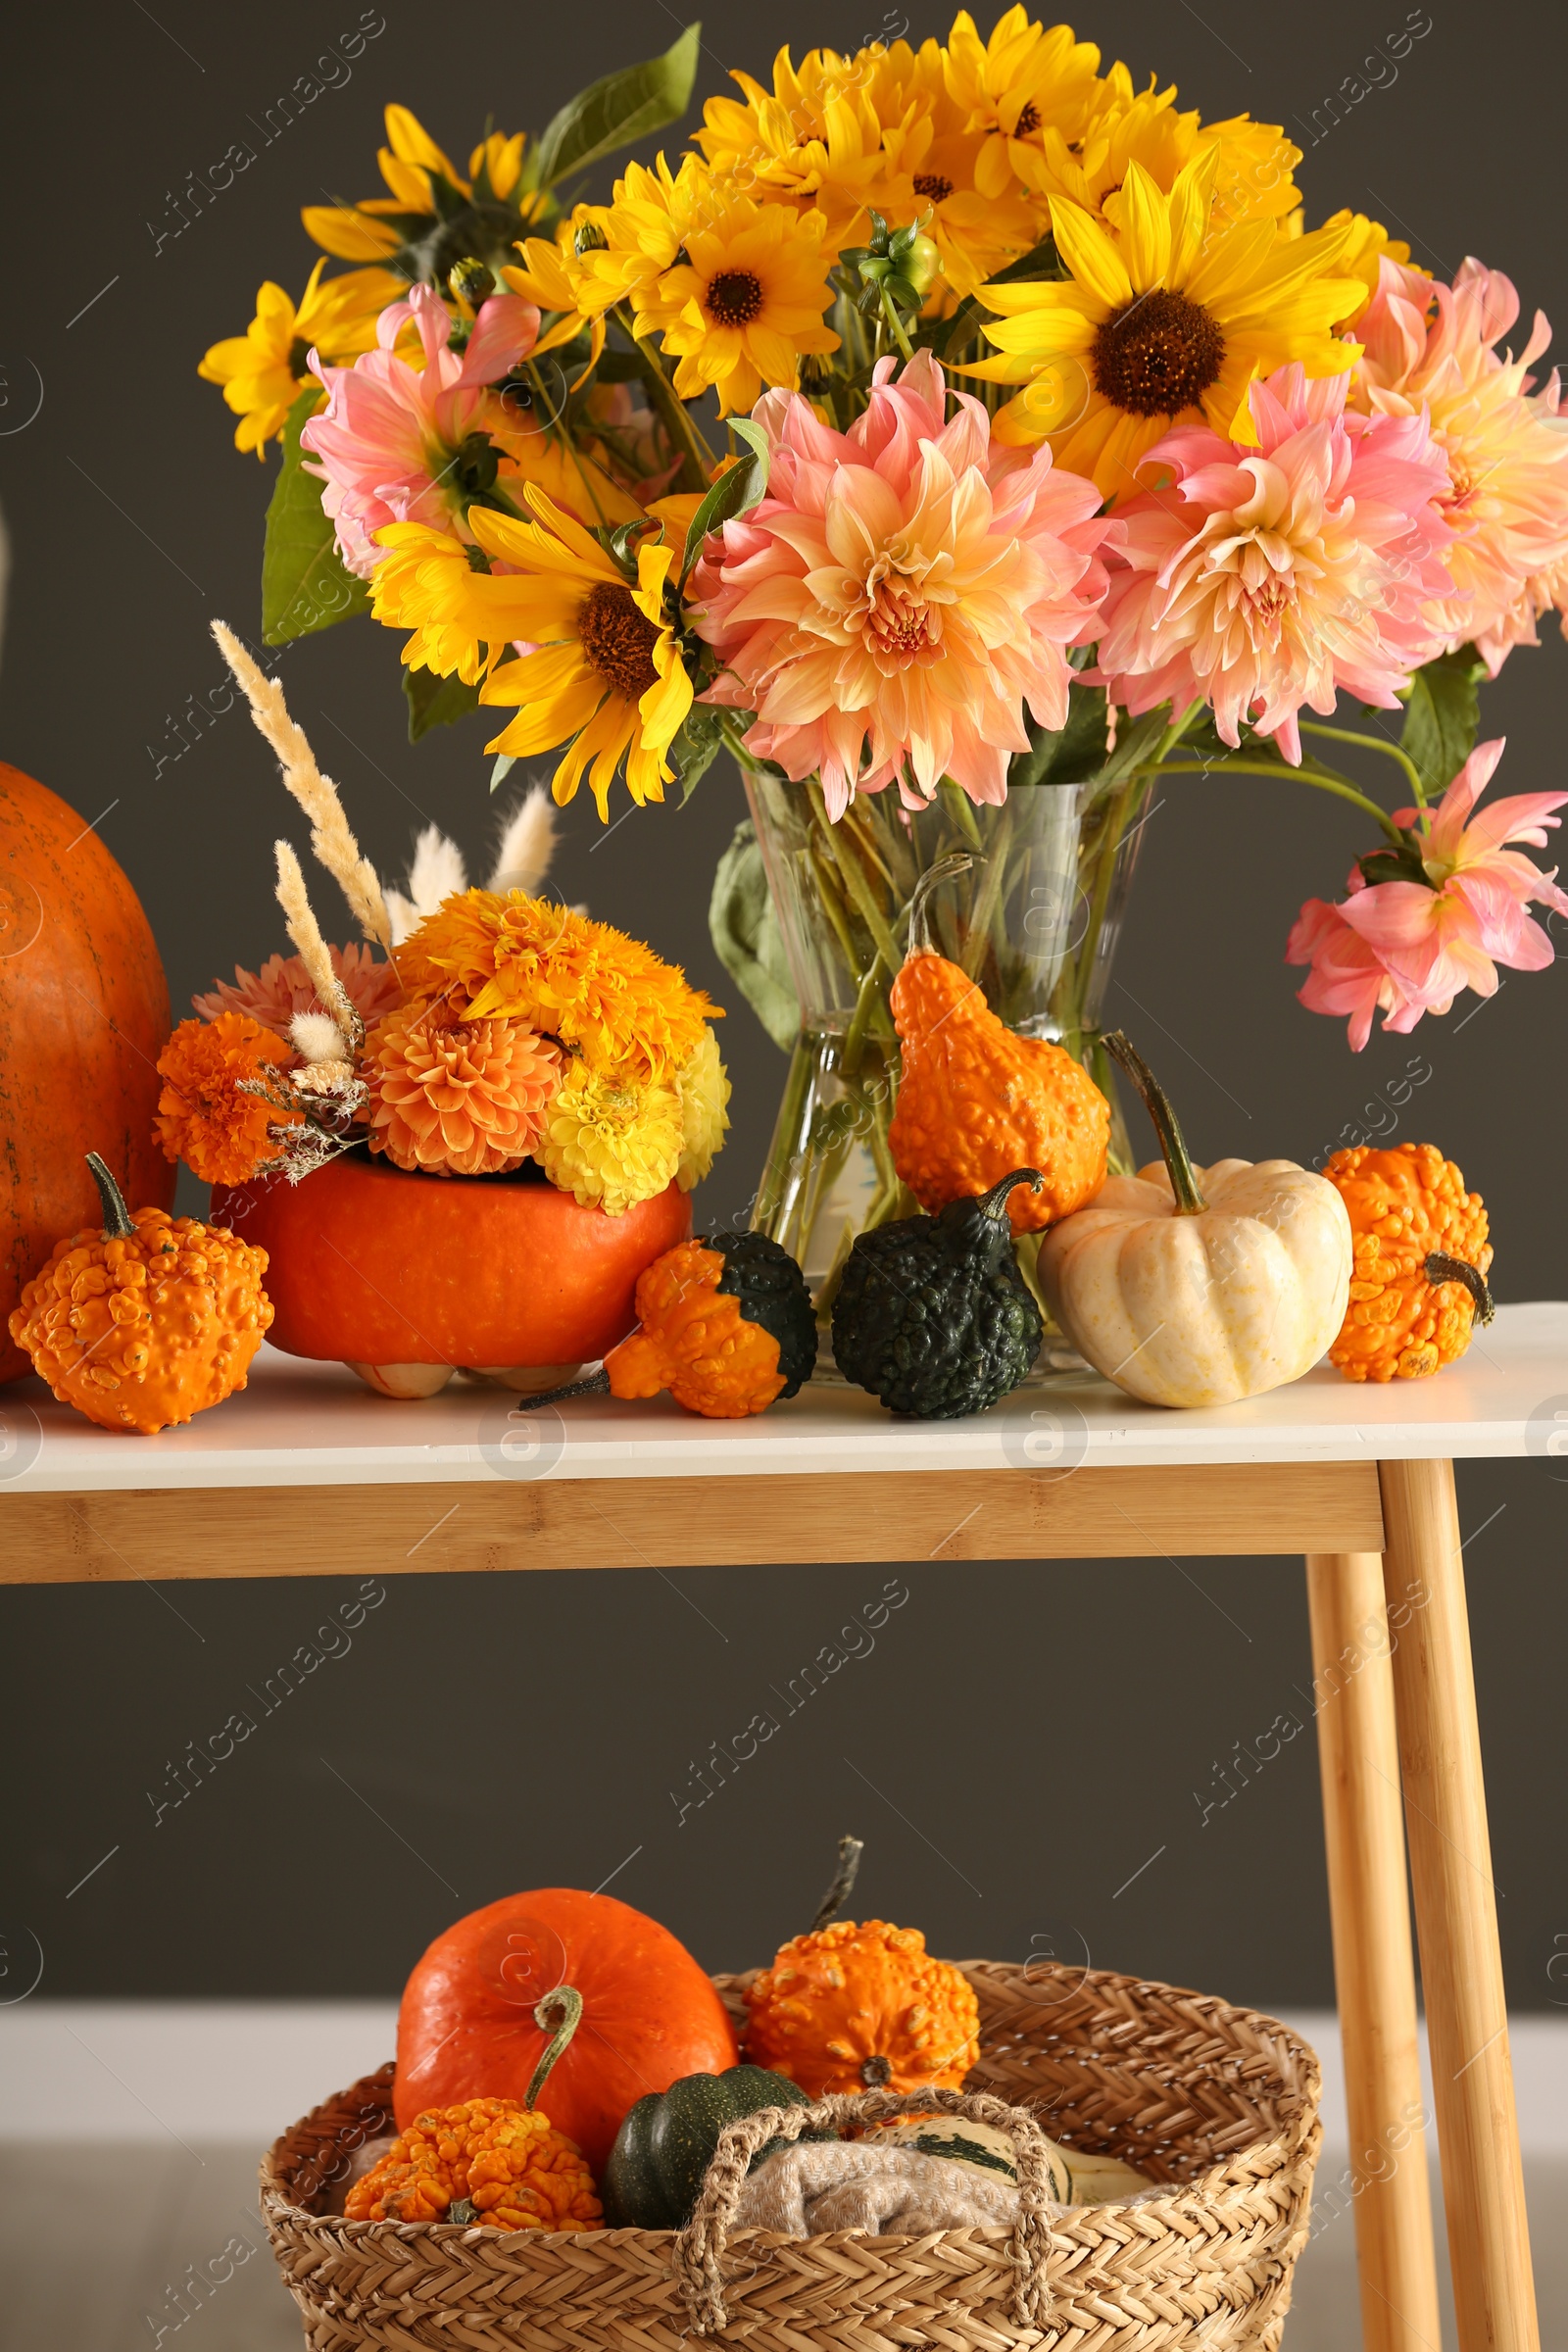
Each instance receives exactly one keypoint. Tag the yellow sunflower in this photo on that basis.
(745, 303)
(932, 162)
(611, 1141)
(606, 678)
(263, 371)
(816, 138)
(478, 216)
(1160, 318)
(1014, 88)
(1253, 169)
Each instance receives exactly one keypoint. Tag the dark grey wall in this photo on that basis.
(1013, 1742)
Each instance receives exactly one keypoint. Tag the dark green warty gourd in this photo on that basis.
(933, 1315)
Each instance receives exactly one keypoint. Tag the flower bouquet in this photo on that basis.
(964, 439)
(496, 1036)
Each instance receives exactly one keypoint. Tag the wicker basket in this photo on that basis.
(1222, 2101)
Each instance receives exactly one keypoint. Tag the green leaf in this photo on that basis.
(435, 702)
(1443, 716)
(696, 747)
(624, 107)
(746, 938)
(1068, 755)
(734, 494)
(304, 585)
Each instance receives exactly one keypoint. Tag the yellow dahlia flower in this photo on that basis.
(1163, 318)
(611, 1141)
(705, 1091)
(263, 371)
(1014, 87)
(608, 998)
(606, 677)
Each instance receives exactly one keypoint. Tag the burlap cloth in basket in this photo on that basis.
(1220, 2101)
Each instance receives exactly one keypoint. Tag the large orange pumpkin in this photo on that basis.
(83, 1018)
(468, 2028)
(367, 1264)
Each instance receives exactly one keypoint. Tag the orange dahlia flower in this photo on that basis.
(457, 1097)
(222, 1135)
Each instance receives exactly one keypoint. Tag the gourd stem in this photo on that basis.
(946, 869)
(995, 1203)
(597, 1383)
(1189, 1201)
(838, 1895)
(1441, 1267)
(118, 1226)
(562, 2010)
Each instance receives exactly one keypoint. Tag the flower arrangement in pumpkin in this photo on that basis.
(496, 1028)
(1049, 419)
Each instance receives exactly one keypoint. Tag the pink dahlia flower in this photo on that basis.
(902, 594)
(284, 987)
(1408, 947)
(1264, 578)
(389, 432)
(1431, 348)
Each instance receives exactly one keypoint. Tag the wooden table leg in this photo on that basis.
(1457, 1912)
(1374, 1965)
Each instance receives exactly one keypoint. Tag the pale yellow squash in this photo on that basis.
(1191, 1287)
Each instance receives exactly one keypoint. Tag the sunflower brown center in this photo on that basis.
(932, 185)
(618, 639)
(1159, 356)
(1028, 120)
(734, 297)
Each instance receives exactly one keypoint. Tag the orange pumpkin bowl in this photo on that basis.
(369, 1265)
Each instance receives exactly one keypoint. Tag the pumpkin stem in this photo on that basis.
(597, 1383)
(838, 1895)
(1189, 1201)
(946, 869)
(561, 2010)
(118, 1226)
(995, 1203)
(1441, 1267)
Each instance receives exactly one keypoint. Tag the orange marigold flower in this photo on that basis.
(426, 2168)
(457, 1097)
(525, 2174)
(584, 982)
(220, 1134)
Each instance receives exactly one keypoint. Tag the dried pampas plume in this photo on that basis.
(439, 871)
(310, 948)
(330, 837)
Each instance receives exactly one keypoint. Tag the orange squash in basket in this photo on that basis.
(477, 2017)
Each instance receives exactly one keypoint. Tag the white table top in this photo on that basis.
(301, 1424)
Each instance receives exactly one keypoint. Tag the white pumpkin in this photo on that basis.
(1191, 1287)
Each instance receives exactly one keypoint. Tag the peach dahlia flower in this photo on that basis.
(901, 596)
(1432, 348)
(1407, 948)
(457, 1097)
(1270, 577)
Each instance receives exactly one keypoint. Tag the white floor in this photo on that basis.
(150, 2118)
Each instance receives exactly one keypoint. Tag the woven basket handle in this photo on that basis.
(700, 2247)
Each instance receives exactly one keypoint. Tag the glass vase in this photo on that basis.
(1034, 919)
